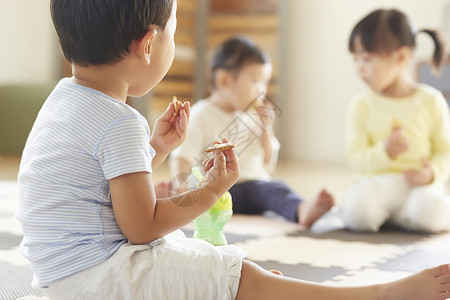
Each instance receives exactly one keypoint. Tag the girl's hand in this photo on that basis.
(222, 171)
(267, 115)
(418, 177)
(396, 143)
(170, 130)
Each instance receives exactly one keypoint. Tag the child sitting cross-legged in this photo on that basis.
(93, 225)
(239, 110)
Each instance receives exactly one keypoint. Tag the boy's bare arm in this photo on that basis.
(266, 143)
(142, 218)
(160, 156)
(266, 113)
(180, 169)
(169, 131)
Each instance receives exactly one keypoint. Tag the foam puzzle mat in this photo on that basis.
(327, 253)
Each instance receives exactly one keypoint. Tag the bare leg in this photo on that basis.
(257, 283)
(309, 212)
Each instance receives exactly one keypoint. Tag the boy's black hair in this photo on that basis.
(98, 32)
(385, 30)
(234, 53)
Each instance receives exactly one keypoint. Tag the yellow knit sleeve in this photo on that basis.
(363, 155)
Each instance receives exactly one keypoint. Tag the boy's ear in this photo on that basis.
(145, 45)
(223, 78)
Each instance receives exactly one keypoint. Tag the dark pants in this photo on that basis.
(256, 197)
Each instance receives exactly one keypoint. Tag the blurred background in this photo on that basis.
(314, 76)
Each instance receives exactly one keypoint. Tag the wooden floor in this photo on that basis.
(306, 178)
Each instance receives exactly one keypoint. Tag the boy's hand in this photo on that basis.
(222, 171)
(396, 143)
(170, 130)
(418, 177)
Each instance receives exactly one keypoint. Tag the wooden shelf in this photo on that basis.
(188, 77)
(258, 19)
(244, 6)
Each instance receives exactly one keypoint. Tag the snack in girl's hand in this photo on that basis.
(223, 146)
(396, 123)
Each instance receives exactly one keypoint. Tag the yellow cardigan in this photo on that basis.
(424, 117)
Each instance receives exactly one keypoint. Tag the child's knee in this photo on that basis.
(360, 214)
(429, 214)
(360, 221)
(361, 211)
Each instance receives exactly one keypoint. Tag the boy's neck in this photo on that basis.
(105, 78)
(219, 101)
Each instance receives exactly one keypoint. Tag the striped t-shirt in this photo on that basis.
(80, 139)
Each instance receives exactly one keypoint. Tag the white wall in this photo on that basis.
(320, 76)
(28, 42)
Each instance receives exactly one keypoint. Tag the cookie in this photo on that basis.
(396, 123)
(220, 147)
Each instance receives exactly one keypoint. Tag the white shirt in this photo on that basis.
(80, 139)
(208, 123)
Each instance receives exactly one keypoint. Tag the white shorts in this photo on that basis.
(173, 267)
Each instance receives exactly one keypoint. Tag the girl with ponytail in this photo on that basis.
(398, 132)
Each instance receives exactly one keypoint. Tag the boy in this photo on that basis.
(93, 228)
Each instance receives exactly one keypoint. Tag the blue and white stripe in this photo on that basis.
(80, 139)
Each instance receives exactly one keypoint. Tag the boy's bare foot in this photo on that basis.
(431, 283)
(310, 211)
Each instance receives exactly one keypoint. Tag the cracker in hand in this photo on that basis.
(396, 123)
(220, 147)
(176, 105)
